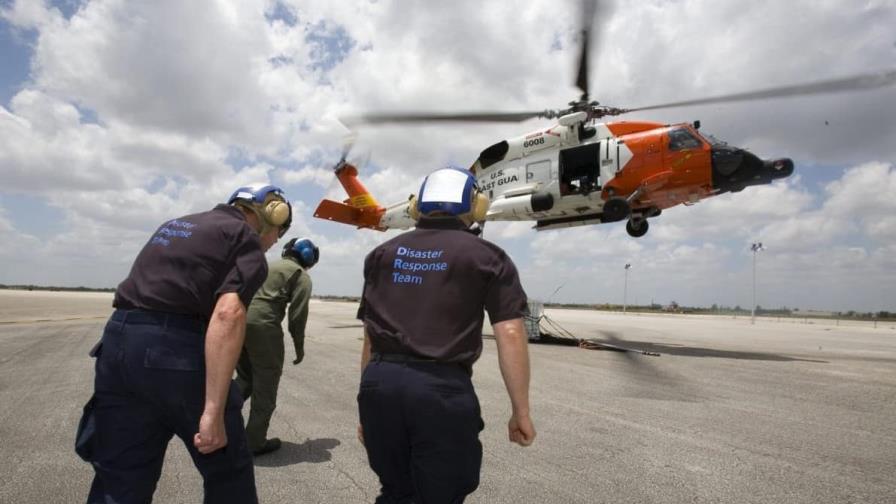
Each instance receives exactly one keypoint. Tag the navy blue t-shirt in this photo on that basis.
(425, 292)
(191, 260)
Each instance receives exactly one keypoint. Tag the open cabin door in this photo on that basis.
(587, 168)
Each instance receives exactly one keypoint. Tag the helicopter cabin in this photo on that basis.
(588, 167)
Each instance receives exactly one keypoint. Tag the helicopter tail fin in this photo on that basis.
(360, 209)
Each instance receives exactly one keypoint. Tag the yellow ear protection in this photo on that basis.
(274, 210)
(413, 211)
(479, 205)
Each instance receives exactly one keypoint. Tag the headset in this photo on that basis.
(267, 202)
(304, 250)
(449, 191)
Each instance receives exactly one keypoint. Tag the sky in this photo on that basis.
(116, 116)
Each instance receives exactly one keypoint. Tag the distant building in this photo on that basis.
(812, 313)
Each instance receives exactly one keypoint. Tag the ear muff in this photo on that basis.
(275, 212)
(306, 257)
(413, 211)
(305, 252)
(479, 206)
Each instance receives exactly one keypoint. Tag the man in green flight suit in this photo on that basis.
(261, 361)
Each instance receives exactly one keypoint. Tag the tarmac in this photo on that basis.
(782, 412)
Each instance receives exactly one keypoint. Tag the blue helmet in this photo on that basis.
(446, 191)
(268, 201)
(304, 250)
(450, 192)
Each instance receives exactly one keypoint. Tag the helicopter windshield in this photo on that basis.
(713, 141)
(682, 138)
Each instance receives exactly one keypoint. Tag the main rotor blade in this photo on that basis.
(588, 9)
(854, 83)
(440, 117)
(347, 143)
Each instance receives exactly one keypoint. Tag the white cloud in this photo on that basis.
(317, 176)
(138, 111)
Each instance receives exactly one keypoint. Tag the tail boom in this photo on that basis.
(360, 209)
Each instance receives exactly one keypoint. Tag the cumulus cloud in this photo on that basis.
(137, 111)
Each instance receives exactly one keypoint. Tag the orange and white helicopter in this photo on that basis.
(580, 171)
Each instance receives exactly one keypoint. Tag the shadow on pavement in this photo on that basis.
(313, 451)
(686, 351)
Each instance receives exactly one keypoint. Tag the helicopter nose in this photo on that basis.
(734, 168)
(778, 168)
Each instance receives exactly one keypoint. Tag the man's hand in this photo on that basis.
(520, 430)
(211, 436)
(361, 434)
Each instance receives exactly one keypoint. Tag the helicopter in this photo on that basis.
(579, 170)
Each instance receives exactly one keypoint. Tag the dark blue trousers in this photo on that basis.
(150, 386)
(421, 424)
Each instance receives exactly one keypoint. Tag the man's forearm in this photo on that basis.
(223, 343)
(365, 351)
(513, 358)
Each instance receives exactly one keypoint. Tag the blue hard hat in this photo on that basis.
(448, 191)
(257, 194)
(304, 250)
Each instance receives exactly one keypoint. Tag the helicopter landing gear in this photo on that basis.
(615, 209)
(637, 227)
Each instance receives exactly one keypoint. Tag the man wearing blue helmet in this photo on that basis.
(165, 363)
(424, 295)
(261, 361)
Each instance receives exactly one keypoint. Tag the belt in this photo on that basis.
(404, 358)
(163, 319)
(413, 359)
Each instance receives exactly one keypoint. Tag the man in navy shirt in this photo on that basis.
(166, 359)
(425, 293)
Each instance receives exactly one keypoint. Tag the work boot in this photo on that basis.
(269, 446)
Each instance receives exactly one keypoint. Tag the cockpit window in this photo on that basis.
(681, 139)
(713, 141)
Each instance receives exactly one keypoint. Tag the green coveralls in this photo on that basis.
(261, 361)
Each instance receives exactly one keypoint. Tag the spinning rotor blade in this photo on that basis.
(854, 83)
(415, 117)
(588, 9)
(347, 144)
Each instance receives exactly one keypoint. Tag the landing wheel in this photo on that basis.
(637, 228)
(615, 209)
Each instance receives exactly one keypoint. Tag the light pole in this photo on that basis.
(756, 247)
(625, 289)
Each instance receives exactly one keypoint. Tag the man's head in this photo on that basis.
(267, 210)
(304, 250)
(450, 192)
